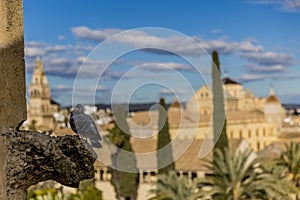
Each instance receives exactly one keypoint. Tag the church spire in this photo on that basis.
(272, 93)
(225, 74)
(176, 103)
(272, 97)
(39, 68)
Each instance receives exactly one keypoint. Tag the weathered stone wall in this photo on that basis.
(32, 157)
(2, 168)
(12, 75)
(12, 65)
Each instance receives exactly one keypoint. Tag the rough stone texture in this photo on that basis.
(2, 167)
(12, 65)
(32, 157)
(12, 75)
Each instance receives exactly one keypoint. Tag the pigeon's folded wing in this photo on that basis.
(86, 127)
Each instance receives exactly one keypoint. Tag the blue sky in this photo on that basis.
(258, 43)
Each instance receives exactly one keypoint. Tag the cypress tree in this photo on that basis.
(219, 120)
(164, 157)
(125, 183)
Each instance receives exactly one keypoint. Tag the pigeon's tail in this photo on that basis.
(96, 144)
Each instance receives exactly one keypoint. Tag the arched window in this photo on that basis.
(249, 133)
(258, 146)
(231, 134)
(241, 134)
(194, 175)
(101, 174)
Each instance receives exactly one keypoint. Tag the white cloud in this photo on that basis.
(273, 76)
(64, 60)
(34, 51)
(265, 68)
(165, 66)
(215, 31)
(94, 35)
(269, 58)
(165, 91)
(61, 37)
(56, 48)
(251, 77)
(283, 5)
(71, 87)
(181, 45)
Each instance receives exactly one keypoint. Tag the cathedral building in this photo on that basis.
(41, 107)
(254, 119)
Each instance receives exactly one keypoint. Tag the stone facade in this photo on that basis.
(256, 119)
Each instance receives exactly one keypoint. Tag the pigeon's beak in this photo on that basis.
(73, 109)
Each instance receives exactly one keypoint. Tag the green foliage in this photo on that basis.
(172, 187)
(289, 163)
(47, 193)
(86, 191)
(238, 175)
(165, 156)
(290, 160)
(219, 120)
(125, 183)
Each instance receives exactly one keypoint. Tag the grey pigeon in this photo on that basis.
(85, 126)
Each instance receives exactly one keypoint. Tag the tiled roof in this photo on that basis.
(229, 81)
(175, 116)
(186, 151)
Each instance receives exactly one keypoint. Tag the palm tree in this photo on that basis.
(290, 159)
(172, 187)
(238, 175)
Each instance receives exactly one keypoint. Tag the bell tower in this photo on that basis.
(274, 112)
(40, 112)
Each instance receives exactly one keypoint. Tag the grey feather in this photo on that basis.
(84, 125)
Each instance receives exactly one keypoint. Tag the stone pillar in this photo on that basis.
(180, 173)
(141, 178)
(98, 174)
(2, 169)
(71, 159)
(105, 174)
(12, 76)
